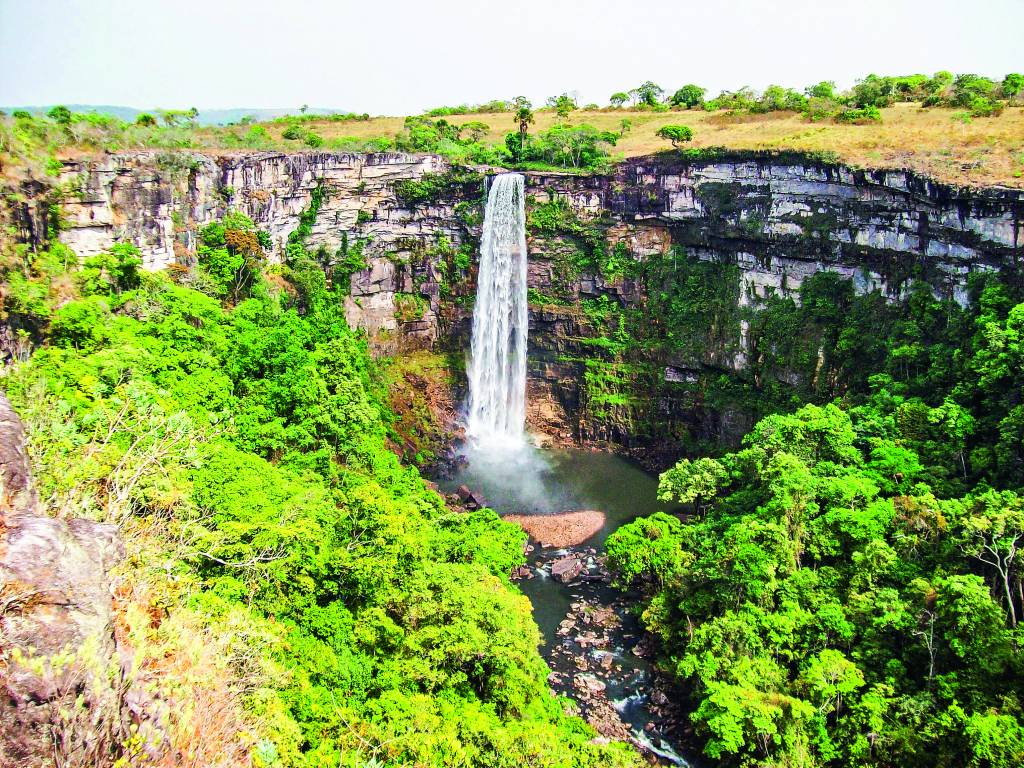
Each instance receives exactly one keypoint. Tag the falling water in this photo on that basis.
(497, 364)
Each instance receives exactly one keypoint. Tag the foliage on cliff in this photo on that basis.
(848, 588)
(242, 450)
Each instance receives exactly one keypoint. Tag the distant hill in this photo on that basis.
(206, 116)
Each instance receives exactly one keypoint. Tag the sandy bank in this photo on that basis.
(564, 529)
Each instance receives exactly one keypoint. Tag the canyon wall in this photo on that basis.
(775, 220)
(159, 201)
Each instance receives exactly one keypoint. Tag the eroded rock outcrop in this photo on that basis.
(62, 688)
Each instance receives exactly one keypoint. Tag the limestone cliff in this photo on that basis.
(775, 219)
(159, 200)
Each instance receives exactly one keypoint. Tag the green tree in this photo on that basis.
(60, 115)
(829, 676)
(874, 91)
(1012, 85)
(967, 88)
(993, 534)
(688, 96)
(113, 271)
(562, 104)
(826, 89)
(522, 114)
(476, 130)
(648, 94)
(647, 549)
(677, 134)
(692, 482)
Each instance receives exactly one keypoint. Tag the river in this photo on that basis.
(523, 479)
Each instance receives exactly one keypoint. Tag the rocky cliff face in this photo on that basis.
(782, 220)
(776, 220)
(60, 669)
(159, 200)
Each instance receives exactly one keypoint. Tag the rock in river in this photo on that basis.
(566, 569)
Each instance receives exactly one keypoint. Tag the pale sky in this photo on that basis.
(403, 56)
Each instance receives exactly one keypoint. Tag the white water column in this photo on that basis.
(497, 364)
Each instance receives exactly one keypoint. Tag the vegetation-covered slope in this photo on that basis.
(293, 595)
(848, 587)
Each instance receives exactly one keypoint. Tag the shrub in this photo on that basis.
(60, 115)
(293, 132)
(819, 108)
(969, 88)
(862, 116)
(826, 89)
(981, 106)
(778, 99)
(874, 91)
(743, 99)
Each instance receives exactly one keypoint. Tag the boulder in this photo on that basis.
(566, 569)
(589, 684)
(470, 499)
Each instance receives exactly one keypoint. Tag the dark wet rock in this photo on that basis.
(471, 499)
(588, 684)
(645, 648)
(585, 661)
(605, 617)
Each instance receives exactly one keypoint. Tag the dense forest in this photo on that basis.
(846, 589)
(291, 590)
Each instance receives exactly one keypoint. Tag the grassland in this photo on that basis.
(942, 143)
(938, 142)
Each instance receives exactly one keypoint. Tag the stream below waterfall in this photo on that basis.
(589, 632)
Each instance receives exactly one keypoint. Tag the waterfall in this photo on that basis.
(497, 363)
